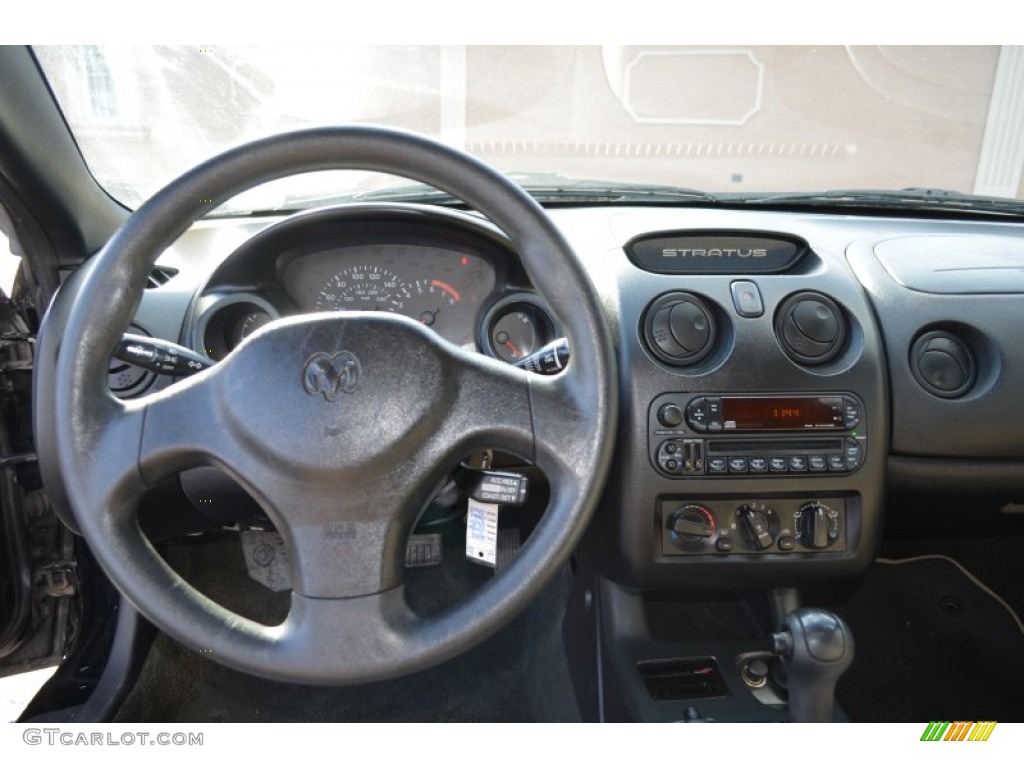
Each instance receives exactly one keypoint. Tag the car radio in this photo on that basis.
(774, 435)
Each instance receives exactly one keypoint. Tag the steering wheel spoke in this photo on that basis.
(109, 452)
(490, 409)
(183, 428)
(561, 447)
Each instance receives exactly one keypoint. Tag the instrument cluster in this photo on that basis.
(442, 288)
(469, 291)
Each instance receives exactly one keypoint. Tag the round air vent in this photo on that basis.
(811, 328)
(679, 328)
(943, 364)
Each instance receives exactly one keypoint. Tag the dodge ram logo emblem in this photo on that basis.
(332, 375)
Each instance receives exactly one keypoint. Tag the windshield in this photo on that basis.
(722, 119)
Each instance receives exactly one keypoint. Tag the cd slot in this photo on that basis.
(797, 446)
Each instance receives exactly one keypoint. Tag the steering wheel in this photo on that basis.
(341, 425)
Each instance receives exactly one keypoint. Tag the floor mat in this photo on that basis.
(931, 645)
(518, 675)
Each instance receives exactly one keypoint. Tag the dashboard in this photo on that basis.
(783, 376)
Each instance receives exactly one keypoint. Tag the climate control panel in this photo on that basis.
(753, 526)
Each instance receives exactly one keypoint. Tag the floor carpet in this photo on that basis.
(931, 644)
(518, 675)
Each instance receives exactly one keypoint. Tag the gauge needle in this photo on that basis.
(512, 348)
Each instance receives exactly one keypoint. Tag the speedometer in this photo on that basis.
(363, 287)
(442, 285)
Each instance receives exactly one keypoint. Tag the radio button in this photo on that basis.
(670, 415)
(697, 414)
(671, 465)
(718, 465)
(758, 464)
(738, 465)
(837, 462)
(853, 454)
(714, 405)
(817, 464)
(851, 412)
(797, 463)
(778, 464)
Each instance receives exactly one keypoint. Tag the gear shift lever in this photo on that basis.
(817, 647)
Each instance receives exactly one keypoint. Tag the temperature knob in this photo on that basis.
(757, 524)
(692, 526)
(818, 525)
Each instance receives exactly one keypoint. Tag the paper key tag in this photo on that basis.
(482, 533)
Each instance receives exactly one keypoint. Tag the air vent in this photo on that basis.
(943, 364)
(160, 276)
(811, 328)
(680, 328)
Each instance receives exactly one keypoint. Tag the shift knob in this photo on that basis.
(817, 647)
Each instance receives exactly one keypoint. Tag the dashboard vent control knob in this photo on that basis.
(811, 328)
(680, 328)
(690, 325)
(943, 364)
(816, 321)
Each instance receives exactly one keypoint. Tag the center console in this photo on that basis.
(750, 463)
(752, 445)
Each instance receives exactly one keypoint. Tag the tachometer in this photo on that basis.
(363, 287)
(429, 297)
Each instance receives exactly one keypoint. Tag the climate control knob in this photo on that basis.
(817, 524)
(692, 526)
(757, 524)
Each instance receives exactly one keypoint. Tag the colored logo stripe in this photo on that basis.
(982, 731)
(957, 731)
(960, 730)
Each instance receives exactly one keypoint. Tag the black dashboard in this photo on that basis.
(771, 408)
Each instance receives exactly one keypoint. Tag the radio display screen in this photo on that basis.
(781, 413)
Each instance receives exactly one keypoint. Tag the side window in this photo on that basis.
(8, 263)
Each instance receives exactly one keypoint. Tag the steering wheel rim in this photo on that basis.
(344, 626)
